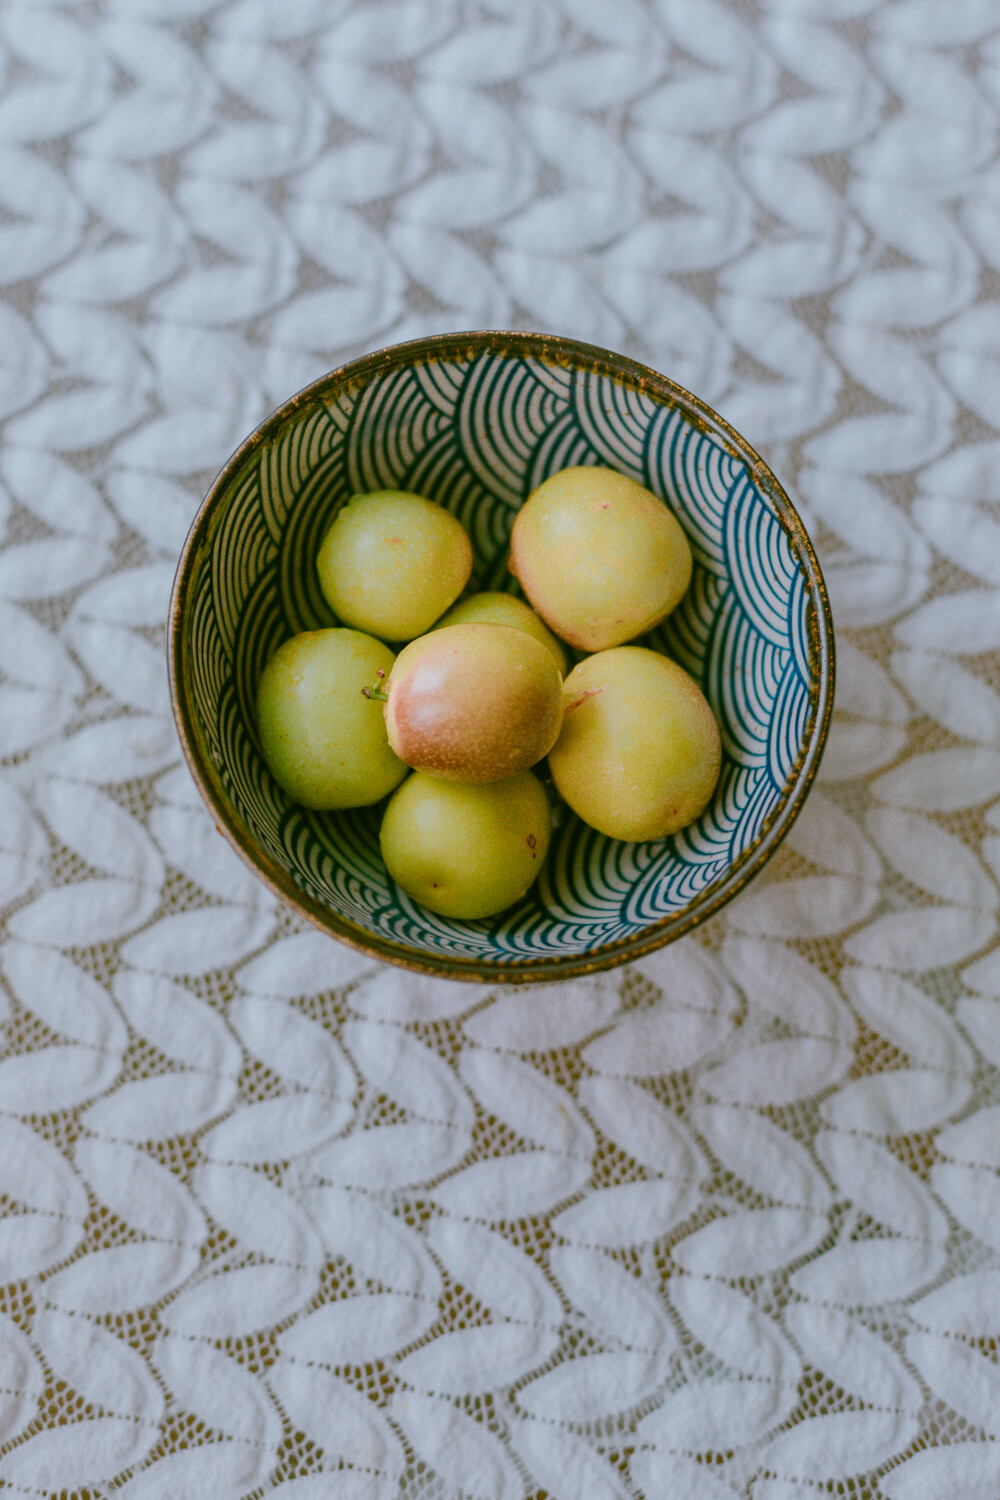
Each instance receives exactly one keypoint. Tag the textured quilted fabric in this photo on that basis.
(274, 1219)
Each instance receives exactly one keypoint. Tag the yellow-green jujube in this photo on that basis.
(322, 739)
(391, 563)
(466, 851)
(474, 703)
(639, 753)
(600, 557)
(505, 609)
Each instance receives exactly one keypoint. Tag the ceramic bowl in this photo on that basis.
(476, 421)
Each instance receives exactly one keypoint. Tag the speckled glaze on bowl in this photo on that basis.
(476, 421)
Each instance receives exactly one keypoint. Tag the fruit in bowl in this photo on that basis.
(633, 745)
(475, 424)
(325, 742)
(601, 558)
(480, 701)
(474, 702)
(640, 754)
(494, 608)
(392, 562)
(466, 849)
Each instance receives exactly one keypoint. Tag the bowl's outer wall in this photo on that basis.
(476, 422)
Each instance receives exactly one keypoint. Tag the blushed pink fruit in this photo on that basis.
(473, 703)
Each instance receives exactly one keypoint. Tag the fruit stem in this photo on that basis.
(377, 690)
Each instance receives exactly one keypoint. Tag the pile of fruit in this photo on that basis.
(478, 695)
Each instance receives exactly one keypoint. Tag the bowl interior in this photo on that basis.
(476, 424)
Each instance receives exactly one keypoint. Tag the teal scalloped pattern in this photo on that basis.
(478, 438)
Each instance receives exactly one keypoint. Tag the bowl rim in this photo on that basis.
(561, 352)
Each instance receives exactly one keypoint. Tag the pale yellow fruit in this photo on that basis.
(323, 741)
(466, 851)
(392, 562)
(505, 609)
(639, 754)
(474, 702)
(601, 559)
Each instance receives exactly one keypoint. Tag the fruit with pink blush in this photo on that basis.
(474, 703)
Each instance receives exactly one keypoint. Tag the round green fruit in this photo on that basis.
(392, 562)
(601, 558)
(466, 851)
(505, 609)
(474, 703)
(323, 741)
(639, 754)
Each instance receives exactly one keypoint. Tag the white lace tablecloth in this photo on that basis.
(275, 1219)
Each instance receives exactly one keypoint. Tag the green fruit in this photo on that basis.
(323, 741)
(466, 851)
(505, 609)
(474, 703)
(600, 557)
(392, 562)
(639, 754)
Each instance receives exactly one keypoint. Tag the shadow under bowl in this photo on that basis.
(476, 421)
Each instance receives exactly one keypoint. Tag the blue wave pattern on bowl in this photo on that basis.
(478, 438)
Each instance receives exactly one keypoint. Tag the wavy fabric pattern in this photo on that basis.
(276, 1219)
